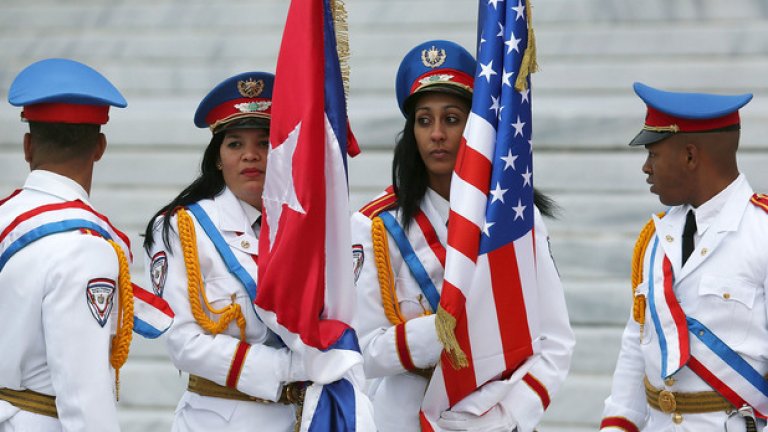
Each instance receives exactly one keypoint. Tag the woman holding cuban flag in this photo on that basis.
(399, 245)
(202, 258)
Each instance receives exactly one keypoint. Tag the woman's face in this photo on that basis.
(243, 162)
(438, 127)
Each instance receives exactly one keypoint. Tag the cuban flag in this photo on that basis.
(306, 288)
(490, 288)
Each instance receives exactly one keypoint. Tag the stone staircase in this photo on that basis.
(166, 54)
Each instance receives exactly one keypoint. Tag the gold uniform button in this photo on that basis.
(669, 382)
(245, 243)
(670, 239)
(726, 296)
(677, 418)
(704, 251)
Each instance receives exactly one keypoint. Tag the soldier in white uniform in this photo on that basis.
(202, 258)
(694, 353)
(63, 267)
(395, 317)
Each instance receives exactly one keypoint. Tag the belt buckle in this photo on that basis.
(667, 402)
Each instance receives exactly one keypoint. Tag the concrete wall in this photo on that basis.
(165, 55)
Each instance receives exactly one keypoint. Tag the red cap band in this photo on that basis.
(446, 76)
(66, 113)
(657, 119)
(238, 108)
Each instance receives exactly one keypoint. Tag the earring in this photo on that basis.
(219, 166)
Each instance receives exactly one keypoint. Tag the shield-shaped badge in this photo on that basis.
(158, 271)
(99, 294)
(358, 257)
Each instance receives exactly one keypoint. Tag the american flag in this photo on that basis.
(305, 290)
(490, 286)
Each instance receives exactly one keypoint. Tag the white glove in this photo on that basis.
(495, 420)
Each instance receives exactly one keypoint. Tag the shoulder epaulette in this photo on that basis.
(387, 201)
(760, 200)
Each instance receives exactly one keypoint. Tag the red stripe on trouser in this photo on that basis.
(538, 388)
(509, 300)
(403, 351)
(619, 422)
(237, 364)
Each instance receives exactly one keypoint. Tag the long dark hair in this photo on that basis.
(208, 184)
(410, 179)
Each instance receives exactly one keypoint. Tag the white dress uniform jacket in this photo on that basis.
(51, 343)
(396, 393)
(722, 285)
(264, 368)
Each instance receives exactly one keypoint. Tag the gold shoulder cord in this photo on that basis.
(384, 271)
(638, 255)
(195, 288)
(121, 342)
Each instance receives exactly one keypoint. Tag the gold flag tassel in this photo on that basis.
(528, 65)
(339, 11)
(445, 324)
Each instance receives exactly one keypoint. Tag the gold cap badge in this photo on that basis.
(250, 88)
(433, 57)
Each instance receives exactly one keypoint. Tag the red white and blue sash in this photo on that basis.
(667, 315)
(427, 236)
(152, 315)
(704, 353)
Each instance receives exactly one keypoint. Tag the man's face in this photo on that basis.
(668, 170)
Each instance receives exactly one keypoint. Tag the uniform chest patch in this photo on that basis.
(158, 270)
(99, 295)
(358, 257)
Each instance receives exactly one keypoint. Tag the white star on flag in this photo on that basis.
(518, 125)
(512, 41)
(509, 160)
(495, 105)
(505, 76)
(280, 168)
(527, 177)
(487, 70)
(524, 95)
(494, 2)
(519, 210)
(486, 226)
(520, 9)
(498, 194)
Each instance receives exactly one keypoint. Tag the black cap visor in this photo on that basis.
(646, 137)
(244, 123)
(451, 89)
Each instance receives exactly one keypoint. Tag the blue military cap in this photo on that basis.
(435, 65)
(63, 91)
(244, 100)
(676, 112)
